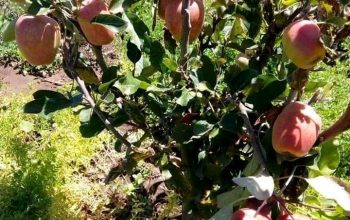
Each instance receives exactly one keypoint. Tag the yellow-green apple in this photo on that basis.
(38, 38)
(96, 34)
(242, 61)
(302, 43)
(248, 214)
(296, 129)
(173, 18)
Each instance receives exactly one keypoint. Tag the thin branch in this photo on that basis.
(185, 37)
(99, 57)
(257, 148)
(341, 125)
(70, 54)
(93, 105)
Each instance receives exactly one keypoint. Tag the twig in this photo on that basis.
(154, 19)
(288, 180)
(185, 37)
(70, 54)
(99, 57)
(52, 82)
(341, 125)
(107, 123)
(257, 148)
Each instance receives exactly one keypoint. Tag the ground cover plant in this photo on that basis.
(220, 104)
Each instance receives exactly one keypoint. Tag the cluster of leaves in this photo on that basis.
(194, 123)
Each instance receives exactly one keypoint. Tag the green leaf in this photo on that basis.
(153, 88)
(129, 85)
(207, 72)
(155, 104)
(170, 64)
(337, 21)
(110, 74)
(92, 127)
(112, 22)
(8, 31)
(185, 97)
(182, 133)
(134, 54)
(232, 197)
(237, 80)
(261, 186)
(231, 122)
(201, 128)
(268, 88)
(46, 102)
(157, 53)
(134, 112)
(116, 6)
(224, 213)
(329, 157)
(332, 188)
(85, 115)
(139, 26)
(95, 126)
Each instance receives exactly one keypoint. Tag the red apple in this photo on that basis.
(96, 34)
(296, 129)
(248, 214)
(38, 38)
(173, 18)
(302, 44)
(162, 5)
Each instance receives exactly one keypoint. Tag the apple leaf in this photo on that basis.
(112, 22)
(329, 158)
(231, 197)
(129, 85)
(223, 213)
(185, 97)
(332, 188)
(260, 186)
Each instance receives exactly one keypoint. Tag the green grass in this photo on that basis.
(38, 166)
(333, 105)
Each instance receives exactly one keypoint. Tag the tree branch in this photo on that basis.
(70, 54)
(185, 37)
(93, 105)
(99, 57)
(257, 148)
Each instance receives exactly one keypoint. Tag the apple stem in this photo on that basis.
(341, 125)
(185, 37)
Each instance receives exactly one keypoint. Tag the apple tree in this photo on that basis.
(216, 100)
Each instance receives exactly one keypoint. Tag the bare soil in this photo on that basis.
(11, 82)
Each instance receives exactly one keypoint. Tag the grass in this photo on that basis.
(38, 159)
(334, 104)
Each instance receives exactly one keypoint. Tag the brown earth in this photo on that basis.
(11, 82)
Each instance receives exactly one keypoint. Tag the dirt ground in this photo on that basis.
(13, 83)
